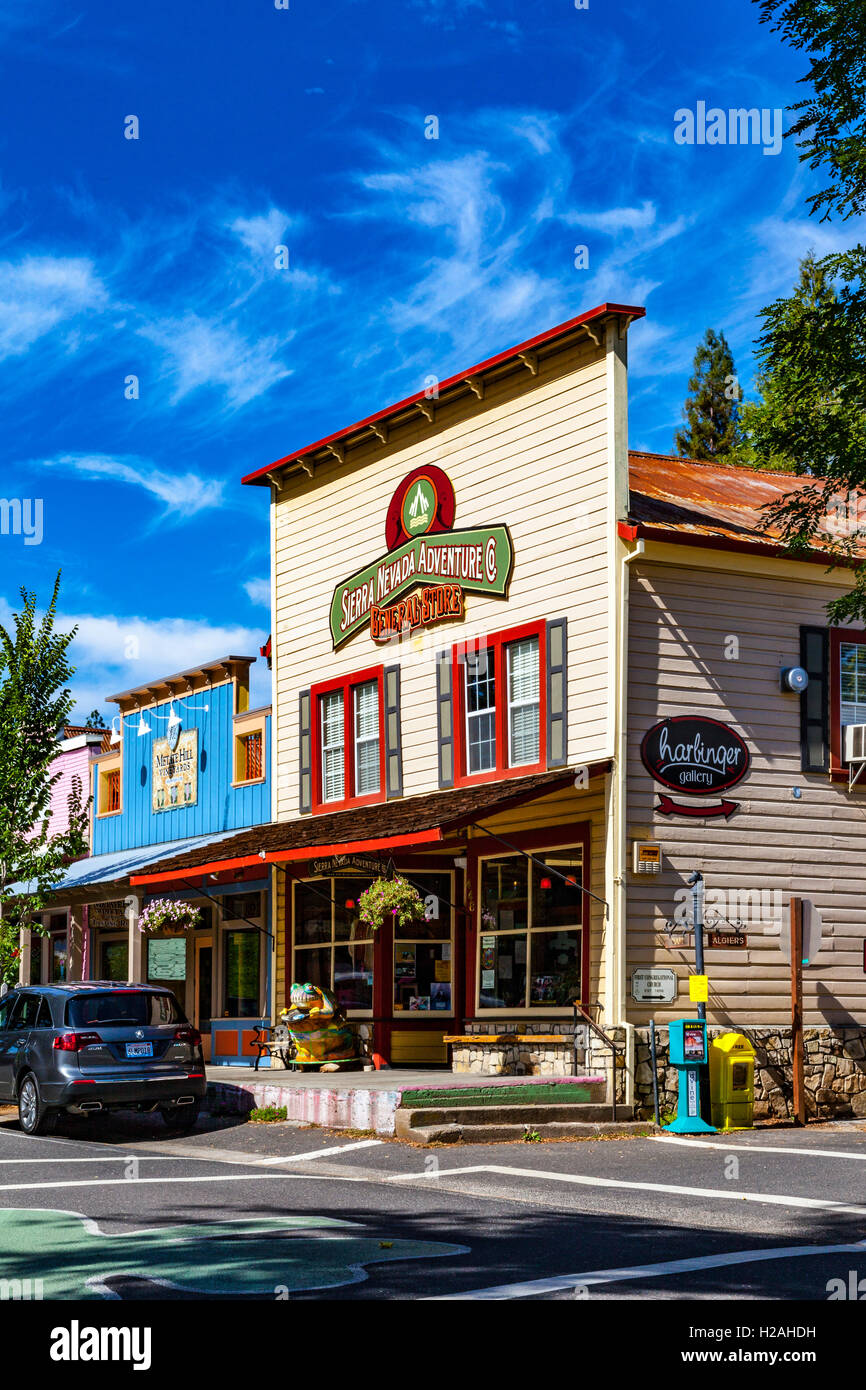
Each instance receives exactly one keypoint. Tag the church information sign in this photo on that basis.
(693, 755)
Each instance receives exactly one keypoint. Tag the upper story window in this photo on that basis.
(499, 690)
(107, 788)
(349, 741)
(250, 763)
(852, 677)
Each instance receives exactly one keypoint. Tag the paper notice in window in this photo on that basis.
(446, 951)
(487, 979)
(442, 970)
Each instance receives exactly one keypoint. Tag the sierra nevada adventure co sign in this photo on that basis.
(694, 756)
(425, 553)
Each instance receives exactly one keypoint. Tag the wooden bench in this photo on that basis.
(509, 1038)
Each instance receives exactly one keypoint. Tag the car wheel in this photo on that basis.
(180, 1116)
(33, 1116)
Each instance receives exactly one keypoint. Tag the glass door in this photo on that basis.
(203, 990)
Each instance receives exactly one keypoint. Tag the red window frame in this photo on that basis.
(347, 685)
(497, 642)
(838, 767)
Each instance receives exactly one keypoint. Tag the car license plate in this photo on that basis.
(139, 1049)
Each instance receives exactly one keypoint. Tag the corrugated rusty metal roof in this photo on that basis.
(683, 499)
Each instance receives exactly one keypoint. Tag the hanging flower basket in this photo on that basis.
(168, 914)
(392, 898)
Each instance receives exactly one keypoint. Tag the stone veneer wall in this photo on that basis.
(835, 1065)
(515, 1058)
(835, 1074)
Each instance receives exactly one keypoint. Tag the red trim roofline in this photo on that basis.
(631, 531)
(259, 476)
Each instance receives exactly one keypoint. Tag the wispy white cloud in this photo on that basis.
(184, 494)
(40, 293)
(612, 221)
(199, 353)
(259, 591)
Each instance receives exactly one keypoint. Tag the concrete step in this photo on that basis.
(490, 1122)
(514, 1133)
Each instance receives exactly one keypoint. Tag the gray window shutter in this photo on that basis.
(393, 743)
(557, 692)
(305, 788)
(815, 700)
(445, 718)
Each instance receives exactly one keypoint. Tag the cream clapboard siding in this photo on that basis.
(814, 847)
(531, 455)
(567, 808)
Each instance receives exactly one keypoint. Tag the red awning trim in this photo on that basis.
(418, 837)
(283, 856)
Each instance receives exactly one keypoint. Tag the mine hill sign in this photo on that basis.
(425, 553)
(694, 756)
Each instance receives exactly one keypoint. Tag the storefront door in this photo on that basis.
(203, 990)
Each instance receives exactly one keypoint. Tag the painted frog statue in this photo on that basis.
(318, 1027)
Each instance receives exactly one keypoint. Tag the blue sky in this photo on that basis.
(407, 256)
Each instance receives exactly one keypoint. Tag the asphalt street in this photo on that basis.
(123, 1209)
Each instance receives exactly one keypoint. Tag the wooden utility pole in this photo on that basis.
(797, 1052)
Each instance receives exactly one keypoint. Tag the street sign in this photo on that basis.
(654, 986)
(727, 940)
(813, 933)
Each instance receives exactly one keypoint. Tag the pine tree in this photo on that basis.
(711, 411)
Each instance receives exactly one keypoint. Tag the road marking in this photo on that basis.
(107, 1158)
(766, 1198)
(655, 1271)
(197, 1177)
(322, 1153)
(756, 1148)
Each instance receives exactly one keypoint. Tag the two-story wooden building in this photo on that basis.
(544, 679)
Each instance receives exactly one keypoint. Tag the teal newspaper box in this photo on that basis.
(688, 1053)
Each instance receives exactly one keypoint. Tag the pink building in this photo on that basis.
(44, 958)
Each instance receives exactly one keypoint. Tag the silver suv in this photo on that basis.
(95, 1046)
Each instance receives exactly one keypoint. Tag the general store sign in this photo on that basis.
(426, 554)
(694, 756)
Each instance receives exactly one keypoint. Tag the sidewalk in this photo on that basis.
(370, 1100)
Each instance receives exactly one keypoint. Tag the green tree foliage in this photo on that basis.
(711, 411)
(812, 348)
(761, 421)
(34, 703)
(94, 720)
(830, 125)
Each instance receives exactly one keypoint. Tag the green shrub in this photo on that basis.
(267, 1114)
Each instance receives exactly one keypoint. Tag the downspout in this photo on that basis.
(274, 905)
(620, 797)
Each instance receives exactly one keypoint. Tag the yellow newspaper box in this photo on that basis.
(732, 1082)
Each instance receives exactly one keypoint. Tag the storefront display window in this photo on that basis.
(530, 937)
(114, 960)
(423, 959)
(241, 965)
(58, 958)
(333, 949)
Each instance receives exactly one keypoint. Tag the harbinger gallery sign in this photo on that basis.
(694, 756)
(424, 553)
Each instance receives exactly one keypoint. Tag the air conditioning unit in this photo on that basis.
(855, 743)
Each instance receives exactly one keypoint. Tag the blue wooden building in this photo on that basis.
(188, 763)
